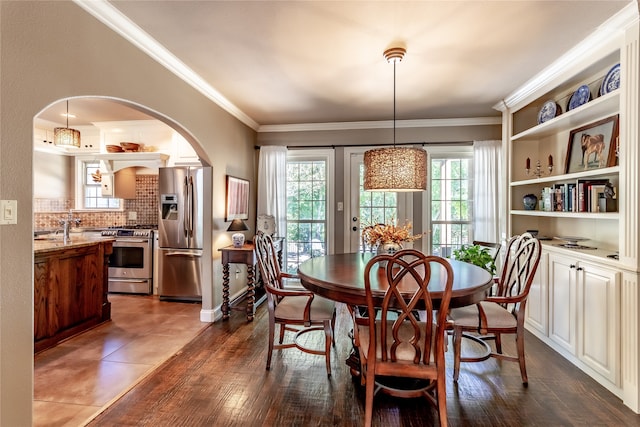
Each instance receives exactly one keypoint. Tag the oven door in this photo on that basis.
(131, 259)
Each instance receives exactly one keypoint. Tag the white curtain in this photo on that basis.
(272, 185)
(486, 181)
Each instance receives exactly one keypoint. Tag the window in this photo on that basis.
(308, 181)
(92, 197)
(451, 181)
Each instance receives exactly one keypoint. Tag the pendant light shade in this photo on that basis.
(395, 168)
(66, 137)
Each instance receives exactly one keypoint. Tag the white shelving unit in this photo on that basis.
(584, 303)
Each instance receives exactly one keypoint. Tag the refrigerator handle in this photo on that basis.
(191, 205)
(185, 216)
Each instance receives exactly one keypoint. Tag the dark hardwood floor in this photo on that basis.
(219, 379)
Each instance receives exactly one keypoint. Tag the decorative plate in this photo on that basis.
(266, 224)
(572, 240)
(579, 97)
(611, 81)
(548, 111)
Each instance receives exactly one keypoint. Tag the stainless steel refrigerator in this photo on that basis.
(185, 200)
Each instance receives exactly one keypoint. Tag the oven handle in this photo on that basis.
(124, 279)
(131, 241)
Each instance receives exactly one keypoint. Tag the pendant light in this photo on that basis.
(395, 168)
(66, 137)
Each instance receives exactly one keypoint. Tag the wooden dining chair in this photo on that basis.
(402, 338)
(293, 308)
(502, 313)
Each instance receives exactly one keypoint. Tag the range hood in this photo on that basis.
(113, 162)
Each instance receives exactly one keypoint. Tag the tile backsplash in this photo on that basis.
(48, 212)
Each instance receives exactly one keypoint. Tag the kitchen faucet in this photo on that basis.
(66, 225)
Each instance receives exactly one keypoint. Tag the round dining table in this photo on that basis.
(340, 278)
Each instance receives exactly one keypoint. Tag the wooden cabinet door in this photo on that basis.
(599, 319)
(537, 301)
(562, 301)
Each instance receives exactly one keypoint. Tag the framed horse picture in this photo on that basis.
(593, 146)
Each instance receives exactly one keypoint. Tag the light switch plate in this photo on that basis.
(8, 212)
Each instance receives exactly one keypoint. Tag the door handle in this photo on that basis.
(354, 228)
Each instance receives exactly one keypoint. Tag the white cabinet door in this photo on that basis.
(599, 319)
(537, 305)
(562, 301)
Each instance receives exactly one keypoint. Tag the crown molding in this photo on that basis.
(114, 19)
(599, 40)
(382, 124)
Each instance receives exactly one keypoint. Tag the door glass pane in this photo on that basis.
(376, 206)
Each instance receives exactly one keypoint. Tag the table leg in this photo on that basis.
(251, 294)
(225, 292)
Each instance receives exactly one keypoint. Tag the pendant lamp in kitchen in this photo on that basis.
(66, 137)
(395, 168)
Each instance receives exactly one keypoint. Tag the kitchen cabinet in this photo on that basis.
(584, 306)
(69, 289)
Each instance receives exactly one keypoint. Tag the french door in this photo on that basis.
(369, 207)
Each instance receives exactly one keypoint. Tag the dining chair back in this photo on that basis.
(504, 312)
(293, 308)
(404, 336)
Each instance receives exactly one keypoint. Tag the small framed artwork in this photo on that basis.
(593, 146)
(237, 198)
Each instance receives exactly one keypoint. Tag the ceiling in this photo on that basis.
(294, 62)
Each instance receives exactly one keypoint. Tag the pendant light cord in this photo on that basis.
(393, 159)
(68, 110)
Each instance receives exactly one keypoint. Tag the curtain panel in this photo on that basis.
(272, 185)
(487, 172)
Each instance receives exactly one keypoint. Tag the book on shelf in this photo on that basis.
(588, 193)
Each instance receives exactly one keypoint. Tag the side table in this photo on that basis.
(243, 255)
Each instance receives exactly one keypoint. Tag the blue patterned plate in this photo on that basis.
(611, 81)
(548, 111)
(579, 97)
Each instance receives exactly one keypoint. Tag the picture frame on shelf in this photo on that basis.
(237, 202)
(593, 146)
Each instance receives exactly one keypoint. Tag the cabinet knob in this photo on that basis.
(572, 266)
(579, 269)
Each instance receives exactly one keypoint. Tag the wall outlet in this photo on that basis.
(133, 215)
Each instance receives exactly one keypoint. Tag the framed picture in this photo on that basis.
(593, 146)
(237, 198)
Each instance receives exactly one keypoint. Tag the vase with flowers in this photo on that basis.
(388, 238)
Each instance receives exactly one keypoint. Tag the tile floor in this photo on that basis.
(76, 379)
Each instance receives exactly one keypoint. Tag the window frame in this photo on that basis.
(328, 156)
(80, 173)
(445, 152)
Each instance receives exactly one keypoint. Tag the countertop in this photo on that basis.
(41, 246)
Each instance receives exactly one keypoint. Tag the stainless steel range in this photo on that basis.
(131, 263)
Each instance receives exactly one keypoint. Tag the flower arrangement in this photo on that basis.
(376, 234)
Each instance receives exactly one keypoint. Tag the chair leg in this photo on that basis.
(328, 339)
(272, 333)
(498, 343)
(282, 329)
(333, 329)
(520, 347)
(442, 400)
(368, 400)
(457, 348)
